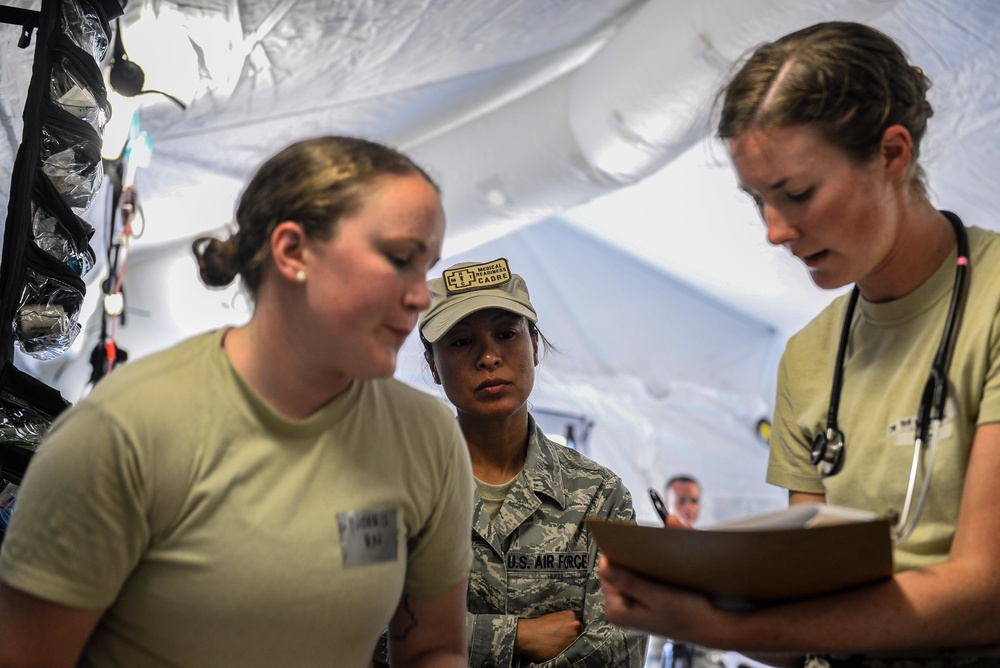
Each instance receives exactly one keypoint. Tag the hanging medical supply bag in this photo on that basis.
(46, 250)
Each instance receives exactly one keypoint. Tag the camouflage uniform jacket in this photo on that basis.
(537, 557)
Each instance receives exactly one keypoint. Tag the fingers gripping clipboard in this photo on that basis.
(804, 551)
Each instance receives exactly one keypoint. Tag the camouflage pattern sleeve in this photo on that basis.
(491, 639)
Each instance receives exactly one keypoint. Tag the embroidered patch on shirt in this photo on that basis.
(547, 562)
(368, 536)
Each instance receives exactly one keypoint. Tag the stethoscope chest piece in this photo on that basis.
(828, 451)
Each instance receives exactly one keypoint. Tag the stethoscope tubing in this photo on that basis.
(930, 410)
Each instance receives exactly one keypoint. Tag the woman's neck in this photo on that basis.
(280, 371)
(926, 239)
(497, 448)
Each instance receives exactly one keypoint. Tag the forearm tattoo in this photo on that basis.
(411, 624)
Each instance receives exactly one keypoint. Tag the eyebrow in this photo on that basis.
(418, 243)
(780, 183)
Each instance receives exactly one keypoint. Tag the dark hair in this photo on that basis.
(315, 182)
(681, 478)
(848, 80)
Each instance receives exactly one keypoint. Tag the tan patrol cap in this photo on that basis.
(468, 287)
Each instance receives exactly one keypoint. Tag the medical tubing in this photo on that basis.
(905, 524)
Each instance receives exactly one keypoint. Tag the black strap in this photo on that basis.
(26, 18)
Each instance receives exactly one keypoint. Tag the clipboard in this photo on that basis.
(804, 551)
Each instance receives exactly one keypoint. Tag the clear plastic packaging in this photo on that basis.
(21, 424)
(70, 91)
(70, 164)
(84, 27)
(28, 408)
(46, 322)
(51, 237)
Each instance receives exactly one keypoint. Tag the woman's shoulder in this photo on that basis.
(160, 371)
(416, 413)
(819, 334)
(984, 245)
(573, 463)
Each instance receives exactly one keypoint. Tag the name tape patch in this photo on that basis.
(476, 276)
(368, 536)
(903, 430)
(547, 562)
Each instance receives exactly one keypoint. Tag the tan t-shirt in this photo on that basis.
(888, 360)
(219, 533)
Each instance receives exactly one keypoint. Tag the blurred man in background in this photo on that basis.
(684, 498)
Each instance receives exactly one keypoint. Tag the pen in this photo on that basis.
(661, 509)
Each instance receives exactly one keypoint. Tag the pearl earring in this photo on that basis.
(300, 277)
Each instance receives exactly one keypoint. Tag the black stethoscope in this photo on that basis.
(828, 446)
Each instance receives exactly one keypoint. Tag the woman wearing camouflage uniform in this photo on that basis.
(534, 596)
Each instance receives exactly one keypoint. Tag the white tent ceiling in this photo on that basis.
(524, 110)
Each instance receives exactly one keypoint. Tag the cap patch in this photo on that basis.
(476, 276)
